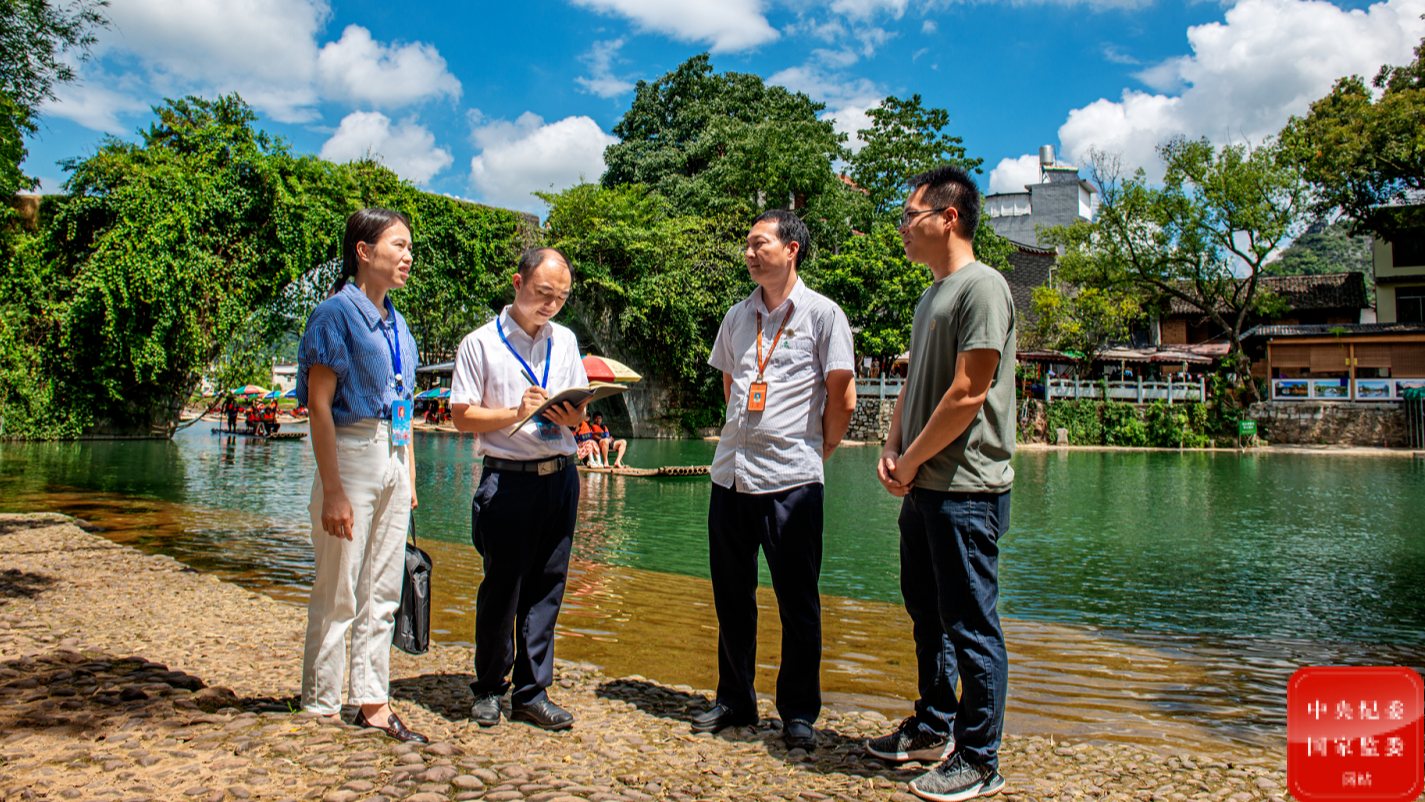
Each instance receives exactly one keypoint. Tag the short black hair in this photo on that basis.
(534, 257)
(950, 185)
(596, 415)
(790, 228)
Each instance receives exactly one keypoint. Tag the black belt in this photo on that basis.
(543, 467)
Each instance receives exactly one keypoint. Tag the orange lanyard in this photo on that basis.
(762, 363)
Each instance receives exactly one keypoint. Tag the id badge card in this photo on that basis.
(757, 397)
(401, 422)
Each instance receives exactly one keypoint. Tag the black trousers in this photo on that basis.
(522, 524)
(786, 525)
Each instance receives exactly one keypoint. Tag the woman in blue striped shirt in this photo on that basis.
(356, 368)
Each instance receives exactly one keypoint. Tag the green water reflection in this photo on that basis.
(1291, 547)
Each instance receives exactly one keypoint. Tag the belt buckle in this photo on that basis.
(547, 467)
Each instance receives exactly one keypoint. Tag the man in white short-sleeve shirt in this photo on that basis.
(522, 515)
(787, 360)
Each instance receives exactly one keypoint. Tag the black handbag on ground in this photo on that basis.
(413, 616)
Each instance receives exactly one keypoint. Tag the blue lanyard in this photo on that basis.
(548, 350)
(394, 343)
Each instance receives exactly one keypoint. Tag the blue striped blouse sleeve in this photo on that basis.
(323, 343)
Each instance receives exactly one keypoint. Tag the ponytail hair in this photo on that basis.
(366, 225)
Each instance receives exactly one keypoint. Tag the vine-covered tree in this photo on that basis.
(177, 252)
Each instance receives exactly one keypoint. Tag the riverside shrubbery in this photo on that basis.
(1114, 423)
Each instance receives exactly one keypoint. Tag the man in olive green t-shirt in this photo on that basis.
(947, 455)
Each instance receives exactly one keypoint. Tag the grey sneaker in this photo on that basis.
(909, 743)
(957, 779)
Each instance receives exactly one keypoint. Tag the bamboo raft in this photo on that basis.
(666, 470)
(277, 436)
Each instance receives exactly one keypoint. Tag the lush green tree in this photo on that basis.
(727, 144)
(651, 289)
(876, 286)
(1085, 320)
(904, 139)
(39, 41)
(180, 251)
(1205, 237)
(1363, 146)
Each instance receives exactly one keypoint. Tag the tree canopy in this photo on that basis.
(1365, 150)
(36, 36)
(177, 253)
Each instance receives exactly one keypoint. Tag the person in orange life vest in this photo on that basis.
(606, 441)
(587, 443)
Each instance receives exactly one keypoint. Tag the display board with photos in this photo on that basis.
(1366, 390)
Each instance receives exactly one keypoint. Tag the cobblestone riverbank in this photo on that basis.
(126, 676)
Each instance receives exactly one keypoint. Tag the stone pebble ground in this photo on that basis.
(126, 676)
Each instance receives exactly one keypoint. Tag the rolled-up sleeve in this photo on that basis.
(322, 343)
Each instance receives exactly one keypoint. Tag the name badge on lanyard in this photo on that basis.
(548, 432)
(757, 392)
(401, 408)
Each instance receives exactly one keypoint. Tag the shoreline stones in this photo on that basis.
(127, 677)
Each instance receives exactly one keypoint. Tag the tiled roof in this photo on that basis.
(1031, 269)
(1334, 329)
(1320, 291)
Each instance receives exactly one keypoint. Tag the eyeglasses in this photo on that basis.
(908, 214)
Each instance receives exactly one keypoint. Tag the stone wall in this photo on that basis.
(871, 420)
(1331, 424)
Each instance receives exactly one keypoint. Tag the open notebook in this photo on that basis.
(574, 396)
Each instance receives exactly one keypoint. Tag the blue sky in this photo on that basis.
(491, 101)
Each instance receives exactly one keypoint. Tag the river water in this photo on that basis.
(1152, 597)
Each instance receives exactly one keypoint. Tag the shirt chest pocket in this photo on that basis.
(794, 353)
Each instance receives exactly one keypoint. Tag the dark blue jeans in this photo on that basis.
(950, 582)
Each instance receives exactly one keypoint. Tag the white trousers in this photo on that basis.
(359, 580)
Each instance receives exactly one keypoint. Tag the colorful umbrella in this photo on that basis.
(249, 390)
(603, 369)
(434, 392)
(292, 393)
(274, 394)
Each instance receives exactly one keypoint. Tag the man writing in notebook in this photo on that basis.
(786, 358)
(522, 516)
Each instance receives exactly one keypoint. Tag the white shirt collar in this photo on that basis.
(795, 296)
(513, 329)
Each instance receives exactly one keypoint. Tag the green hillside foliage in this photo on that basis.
(181, 254)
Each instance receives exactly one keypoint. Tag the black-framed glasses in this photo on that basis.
(907, 214)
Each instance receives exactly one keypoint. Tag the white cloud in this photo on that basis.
(1010, 175)
(600, 59)
(863, 9)
(1267, 60)
(847, 99)
(725, 25)
(526, 155)
(96, 102)
(929, 26)
(407, 148)
(360, 69)
(265, 49)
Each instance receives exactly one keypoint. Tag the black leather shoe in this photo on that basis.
(799, 735)
(486, 710)
(393, 728)
(545, 714)
(718, 717)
